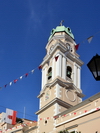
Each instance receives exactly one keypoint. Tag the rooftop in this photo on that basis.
(61, 29)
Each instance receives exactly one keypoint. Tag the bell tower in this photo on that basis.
(61, 78)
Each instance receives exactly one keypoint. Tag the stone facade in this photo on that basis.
(61, 106)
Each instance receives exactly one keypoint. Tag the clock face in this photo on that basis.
(47, 95)
(70, 95)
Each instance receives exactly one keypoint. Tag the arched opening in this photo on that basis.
(69, 72)
(49, 73)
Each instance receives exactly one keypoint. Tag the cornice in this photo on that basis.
(56, 100)
(57, 37)
(62, 83)
(75, 59)
(55, 81)
(31, 129)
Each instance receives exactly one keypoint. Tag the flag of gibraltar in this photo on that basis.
(11, 116)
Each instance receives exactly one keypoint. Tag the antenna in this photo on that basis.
(24, 112)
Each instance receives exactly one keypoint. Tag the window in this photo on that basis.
(45, 121)
(49, 73)
(69, 72)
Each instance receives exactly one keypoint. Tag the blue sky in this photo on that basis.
(25, 27)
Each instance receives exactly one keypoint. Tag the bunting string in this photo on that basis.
(25, 75)
(19, 78)
(73, 114)
(89, 39)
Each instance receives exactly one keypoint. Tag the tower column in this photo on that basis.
(53, 68)
(45, 74)
(58, 65)
(42, 78)
(75, 73)
(64, 67)
(79, 78)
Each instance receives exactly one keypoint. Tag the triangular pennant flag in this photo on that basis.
(15, 80)
(21, 77)
(97, 108)
(74, 113)
(90, 39)
(77, 46)
(21, 125)
(64, 115)
(55, 117)
(40, 67)
(26, 74)
(56, 58)
(10, 83)
(32, 71)
(5, 85)
(85, 111)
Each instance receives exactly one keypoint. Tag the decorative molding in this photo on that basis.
(75, 59)
(54, 82)
(72, 100)
(81, 115)
(56, 100)
(62, 83)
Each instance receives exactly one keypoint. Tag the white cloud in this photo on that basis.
(34, 18)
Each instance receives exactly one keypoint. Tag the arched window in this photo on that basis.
(69, 72)
(50, 73)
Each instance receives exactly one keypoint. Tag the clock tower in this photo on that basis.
(61, 78)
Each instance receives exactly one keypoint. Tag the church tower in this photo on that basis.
(61, 78)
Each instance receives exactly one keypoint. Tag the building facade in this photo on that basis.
(61, 107)
(21, 126)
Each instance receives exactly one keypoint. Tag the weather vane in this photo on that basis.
(61, 22)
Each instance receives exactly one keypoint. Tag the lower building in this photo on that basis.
(21, 126)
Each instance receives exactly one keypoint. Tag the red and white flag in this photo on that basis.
(11, 116)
